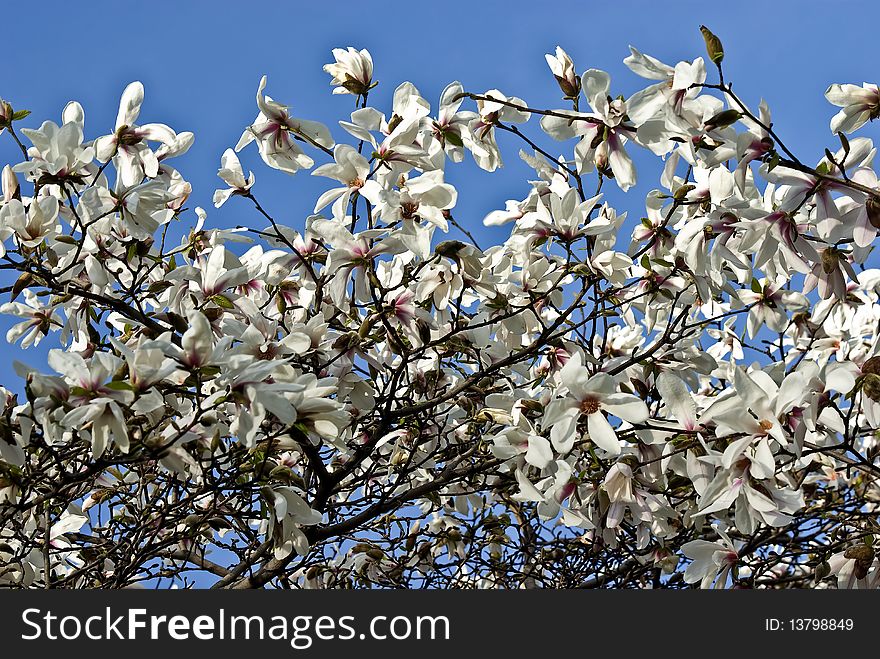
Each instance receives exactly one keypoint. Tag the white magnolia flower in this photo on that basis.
(232, 173)
(351, 169)
(276, 133)
(860, 105)
(711, 561)
(590, 397)
(352, 71)
(127, 145)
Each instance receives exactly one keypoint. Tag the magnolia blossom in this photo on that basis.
(351, 169)
(128, 143)
(603, 133)
(669, 383)
(712, 562)
(860, 105)
(232, 173)
(276, 131)
(591, 397)
(38, 320)
(352, 71)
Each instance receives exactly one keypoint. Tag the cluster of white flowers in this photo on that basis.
(700, 388)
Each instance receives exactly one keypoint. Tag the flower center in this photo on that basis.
(409, 209)
(590, 405)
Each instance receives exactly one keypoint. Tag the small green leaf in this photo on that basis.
(120, 385)
(222, 301)
(453, 138)
(20, 114)
(159, 286)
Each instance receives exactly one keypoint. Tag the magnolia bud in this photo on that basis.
(6, 113)
(449, 248)
(830, 261)
(713, 45)
(872, 365)
(11, 188)
(723, 119)
(563, 70)
(860, 553)
(871, 386)
(872, 207)
(863, 556)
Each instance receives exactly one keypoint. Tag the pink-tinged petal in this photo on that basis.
(863, 232)
(621, 163)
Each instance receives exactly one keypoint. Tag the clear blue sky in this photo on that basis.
(201, 62)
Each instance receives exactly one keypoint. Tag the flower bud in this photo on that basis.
(871, 386)
(872, 365)
(713, 45)
(563, 70)
(860, 553)
(723, 119)
(863, 556)
(872, 208)
(6, 113)
(830, 261)
(11, 188)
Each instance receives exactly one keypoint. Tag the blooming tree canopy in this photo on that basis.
(681, 393)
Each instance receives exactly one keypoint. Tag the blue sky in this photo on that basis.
(201, 62)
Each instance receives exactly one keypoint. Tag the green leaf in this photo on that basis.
(20, 114)
(453, 138)
(159, 286)
(120, 385)
(222, 301)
